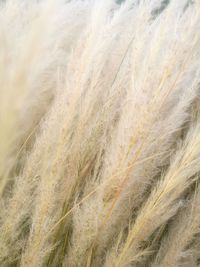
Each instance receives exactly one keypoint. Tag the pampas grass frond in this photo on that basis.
(99, 133)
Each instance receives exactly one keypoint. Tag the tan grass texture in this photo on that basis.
(99, 133)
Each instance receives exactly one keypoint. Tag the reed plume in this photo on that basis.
(99, 133)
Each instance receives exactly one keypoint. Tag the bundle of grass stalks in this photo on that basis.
(99, 133)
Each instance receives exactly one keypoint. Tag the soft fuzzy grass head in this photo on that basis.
(99, 133)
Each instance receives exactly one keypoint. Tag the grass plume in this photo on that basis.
(99, 133)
